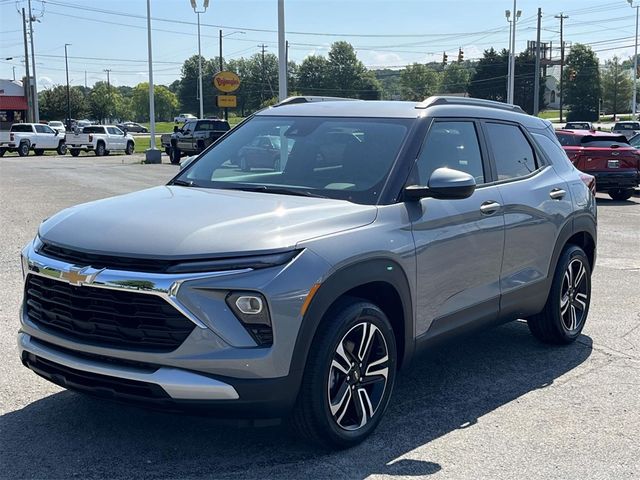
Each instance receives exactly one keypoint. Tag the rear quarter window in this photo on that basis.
(21, 128)
(93, 130)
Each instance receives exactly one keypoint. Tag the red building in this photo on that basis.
(13, 103)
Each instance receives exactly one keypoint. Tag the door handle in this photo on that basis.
(490, 207)
(557, 193)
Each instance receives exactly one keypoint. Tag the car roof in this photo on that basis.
(432, 107)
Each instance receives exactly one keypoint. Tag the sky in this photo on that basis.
(111, 34)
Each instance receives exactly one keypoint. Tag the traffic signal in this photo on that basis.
(460, 55)
(445, 58)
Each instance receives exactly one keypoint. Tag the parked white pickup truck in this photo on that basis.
(101, 139)
(23, 137)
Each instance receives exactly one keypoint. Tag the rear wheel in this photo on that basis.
(23, 149)
(565, 313)
(621, 194)
(74, 152)
(2, 151)
(100, 149)
(62, 148)
(349, 376)
(175, 155)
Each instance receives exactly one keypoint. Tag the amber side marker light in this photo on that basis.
(310, 295)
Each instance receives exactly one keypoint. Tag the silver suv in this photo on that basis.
(300, 287)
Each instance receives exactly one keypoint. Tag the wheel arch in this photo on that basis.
(381, 281)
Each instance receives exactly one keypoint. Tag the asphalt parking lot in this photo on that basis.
(493, 405)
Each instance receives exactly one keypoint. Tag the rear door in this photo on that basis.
(537, 205)
(459, 243)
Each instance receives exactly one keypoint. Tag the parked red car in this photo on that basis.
(608, 157)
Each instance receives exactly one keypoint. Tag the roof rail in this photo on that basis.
(472, 102)
(312, 98)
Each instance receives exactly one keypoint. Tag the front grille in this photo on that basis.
(105, 318)
(104, 261)
(96, 384)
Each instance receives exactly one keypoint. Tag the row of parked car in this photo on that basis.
(101, 139)
(613, 158)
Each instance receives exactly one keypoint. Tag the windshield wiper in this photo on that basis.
(277, 190)
(184, 183)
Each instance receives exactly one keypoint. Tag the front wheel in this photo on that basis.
(62, 148)
(130, 148)
(565, 313)
(349, 376)
(175, 155)
(621, 194)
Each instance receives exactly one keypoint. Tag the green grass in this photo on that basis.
(549, 114)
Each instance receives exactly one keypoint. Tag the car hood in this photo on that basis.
(174, 221)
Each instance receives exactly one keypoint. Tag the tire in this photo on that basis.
(74, 152)
(38, 151)
(100, 149)
(2, 151)
(175, 155)
(23, 149)
(333, 366)
(565, 313)
(62, 148)
(130, 148)
(621, 194)
(167, 150)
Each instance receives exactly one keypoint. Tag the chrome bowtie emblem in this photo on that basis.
(80, 276)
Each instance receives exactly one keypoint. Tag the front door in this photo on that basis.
(459, 243)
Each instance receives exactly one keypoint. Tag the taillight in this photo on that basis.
(11, 137)
(90, 137)
(589, 181)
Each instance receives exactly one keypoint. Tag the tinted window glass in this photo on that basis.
(344, 158)
(92, 129)
(21, 128)
(512, 153)
(635, 141)
(567, 140)
(451, 145)
(553, 150)
(40, 128)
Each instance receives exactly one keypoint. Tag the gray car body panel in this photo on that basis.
(450, 264)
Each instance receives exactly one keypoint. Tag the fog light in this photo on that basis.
(249, 305)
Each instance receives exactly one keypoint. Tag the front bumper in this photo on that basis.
(218, 364)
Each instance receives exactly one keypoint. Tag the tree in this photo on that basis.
(348, 77)
(524, 82)
(419, 82)
(188, 90)
(581, 83)
(103, 101)
(455, 78)
(313, 76)
(53, 103)
(490, 78)
(617, 87)
(165, 103)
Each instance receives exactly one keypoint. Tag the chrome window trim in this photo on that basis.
(164, 285)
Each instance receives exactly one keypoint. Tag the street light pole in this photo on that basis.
(507, 14)
(516, 14)
(152, 155)
(635, 64)
(198, 12)
(36, 108)
(282, 54)
(66, 67)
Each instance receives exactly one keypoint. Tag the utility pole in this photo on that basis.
(263, 47)
(36, 109)
(635, 64)
(66, 66)
(198, 11)
(26, 66)
(221, 64)
(562, 16)
(516, 15)
(536, 80)
(108, 88)
(152, 155)
(85, 81)
(282, 54)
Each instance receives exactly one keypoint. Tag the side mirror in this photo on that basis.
(55, 133)
(444, 184)
(124, 132)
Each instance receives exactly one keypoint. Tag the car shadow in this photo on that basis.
(608, 202)
(449, 388)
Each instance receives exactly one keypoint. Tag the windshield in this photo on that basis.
(342, 158)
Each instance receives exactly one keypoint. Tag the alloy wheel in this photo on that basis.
(358, 376)
(574, 296)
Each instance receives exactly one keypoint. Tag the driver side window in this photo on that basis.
(452, 145)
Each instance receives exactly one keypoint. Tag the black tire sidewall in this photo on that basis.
(130, 148)
(23, 149)
(74, 152)
(100, 149)
(62, 148)
(335, 329)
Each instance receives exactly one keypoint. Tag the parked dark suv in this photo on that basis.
(300, 288)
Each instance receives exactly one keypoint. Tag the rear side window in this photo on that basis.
(512, 152)
(451, 145)
(21, 128)
(567, 140)
(557, 155)
(93, 130)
